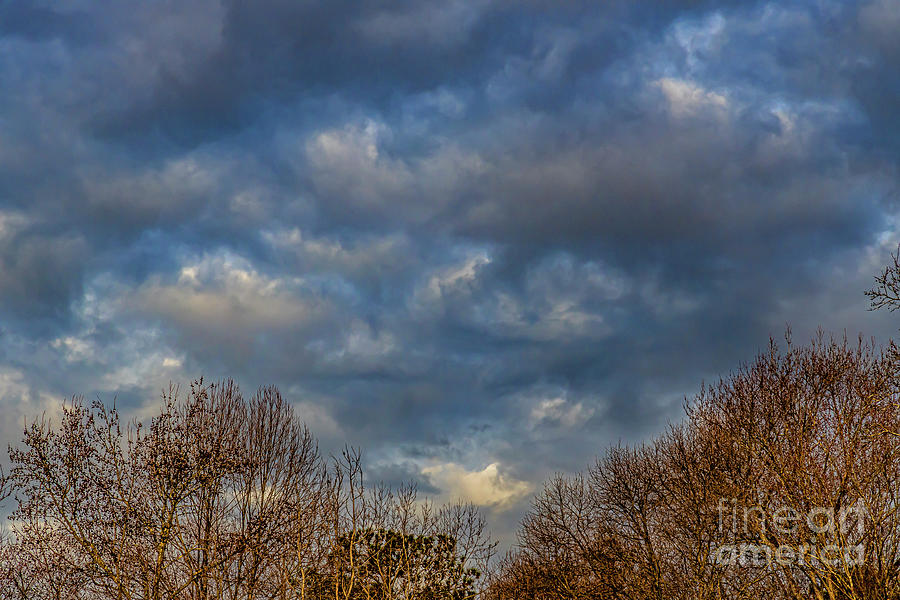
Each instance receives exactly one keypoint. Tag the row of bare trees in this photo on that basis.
(220, 497)
(794, 458)
(781, 481)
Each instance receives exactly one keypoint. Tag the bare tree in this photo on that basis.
(886, 291)
(219, 497)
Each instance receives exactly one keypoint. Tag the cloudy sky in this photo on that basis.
(481, 239)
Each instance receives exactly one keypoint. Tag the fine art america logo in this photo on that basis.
(787, 537)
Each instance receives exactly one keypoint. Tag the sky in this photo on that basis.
(483, 240)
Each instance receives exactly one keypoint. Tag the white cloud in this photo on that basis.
(171, 362)
(687, 99)
(317, 418)
(362, 258)
(225, 293)
(73, 348)
(349, 168)
(487, 487)
(453, 280)
(347, 162)
(11, 223)
(561, 301)
(358, 348)
(560, 411)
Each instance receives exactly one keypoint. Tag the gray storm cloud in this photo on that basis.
(482, 240)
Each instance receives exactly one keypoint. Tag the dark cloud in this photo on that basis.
(40, 276)
(38, 23)
(483, 240)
